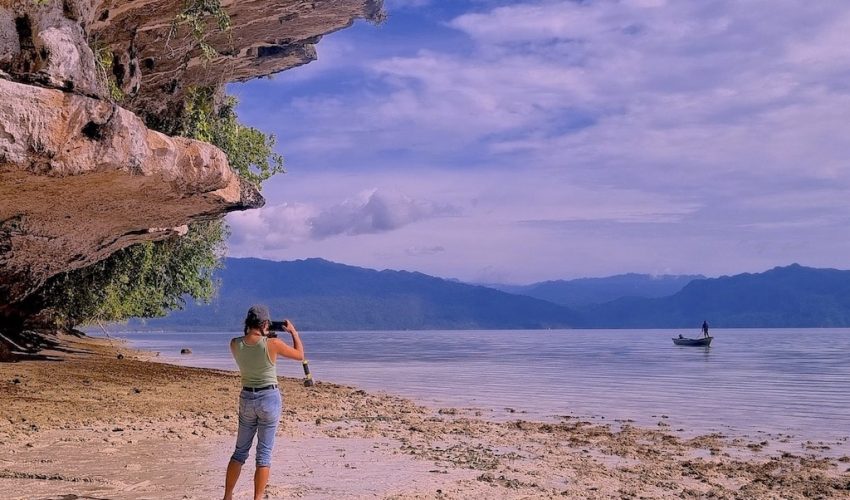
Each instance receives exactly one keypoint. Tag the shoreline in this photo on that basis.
(167, 430)
(660, 403)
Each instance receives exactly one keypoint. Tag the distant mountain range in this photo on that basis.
(783, 297)
(588, 291)
(322, 295)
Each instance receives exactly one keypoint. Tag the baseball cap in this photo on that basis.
(257, 314)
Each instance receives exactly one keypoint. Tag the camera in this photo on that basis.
(278, 326)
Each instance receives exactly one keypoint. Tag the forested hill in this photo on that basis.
(783, 297)
(586, 291)
(322, 295)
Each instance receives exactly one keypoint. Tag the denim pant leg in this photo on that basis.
(268, 417)
(248, 422)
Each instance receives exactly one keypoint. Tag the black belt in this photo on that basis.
(258, 389)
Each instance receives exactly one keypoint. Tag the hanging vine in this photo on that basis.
(196, 16)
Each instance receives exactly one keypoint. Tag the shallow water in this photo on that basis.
(794, 381)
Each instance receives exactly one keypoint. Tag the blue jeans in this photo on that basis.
(259, 413)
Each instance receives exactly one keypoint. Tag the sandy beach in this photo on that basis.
(85, 424)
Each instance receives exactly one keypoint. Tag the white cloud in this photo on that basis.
(620, 127)
(594, 80)
(271, 227)
(279, 227)
(374, 212)
(425, 250)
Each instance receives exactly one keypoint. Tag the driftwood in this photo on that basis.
(9, 341)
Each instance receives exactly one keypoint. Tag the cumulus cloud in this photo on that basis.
(375, 213)
(277, 227)
(273, 226)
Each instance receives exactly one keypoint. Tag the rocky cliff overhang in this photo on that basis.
(159, 59)
(82, 176)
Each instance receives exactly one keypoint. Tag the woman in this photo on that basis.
(260, 401)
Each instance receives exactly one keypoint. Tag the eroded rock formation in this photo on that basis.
(82, 176)
(157, 61)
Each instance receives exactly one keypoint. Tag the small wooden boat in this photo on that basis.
(704, 341)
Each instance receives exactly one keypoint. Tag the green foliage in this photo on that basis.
(144, 280)
(150, 279)
(250, 152)
(104, 59)
(379, 18)
(195, 16)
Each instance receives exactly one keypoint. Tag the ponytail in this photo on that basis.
(252, 324)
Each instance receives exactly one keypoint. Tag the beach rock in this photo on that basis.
(185, 350)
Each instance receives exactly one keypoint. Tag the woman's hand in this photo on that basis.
(295, 352)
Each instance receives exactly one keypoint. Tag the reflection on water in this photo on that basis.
(789, 380)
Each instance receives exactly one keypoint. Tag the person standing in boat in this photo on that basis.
(705, 328)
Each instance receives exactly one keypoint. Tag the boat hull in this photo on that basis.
(704, 342)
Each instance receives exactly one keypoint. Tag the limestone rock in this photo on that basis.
(81, 178)
(40, 44)
(265, 37)
(155, 56)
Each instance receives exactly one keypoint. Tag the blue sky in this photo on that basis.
(532, 140)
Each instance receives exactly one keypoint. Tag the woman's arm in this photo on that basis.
(233, 347)
(281, 348)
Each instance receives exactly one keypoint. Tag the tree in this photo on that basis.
(150, 279)
(144, 280)
(250, 152)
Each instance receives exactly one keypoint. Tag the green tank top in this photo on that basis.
(254, 364)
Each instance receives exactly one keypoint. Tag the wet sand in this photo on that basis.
(86, 424)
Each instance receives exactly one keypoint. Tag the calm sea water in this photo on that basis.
(793, 381)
